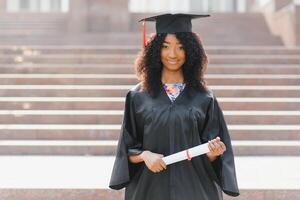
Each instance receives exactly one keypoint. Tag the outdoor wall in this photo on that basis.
(2, 8)
(297, 23)
(282, 3)
(98, 16)
(108, 15)
(283, 19)
(78, 17)
(83, 16)
(285, 26)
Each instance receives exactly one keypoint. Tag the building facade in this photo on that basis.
(102, 16)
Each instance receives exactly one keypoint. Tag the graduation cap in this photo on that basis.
(171, 23)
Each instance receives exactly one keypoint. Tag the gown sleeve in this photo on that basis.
(129, 144)
(223, 168)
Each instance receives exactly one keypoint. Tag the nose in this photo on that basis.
(172, 53)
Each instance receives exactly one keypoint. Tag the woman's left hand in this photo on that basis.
(216, 147)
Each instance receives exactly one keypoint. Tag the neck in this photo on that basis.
(171, 76)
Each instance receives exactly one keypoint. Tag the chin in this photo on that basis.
(173, 68)
(176, 67)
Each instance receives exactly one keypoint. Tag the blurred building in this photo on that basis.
(61, 106)
(272, 22)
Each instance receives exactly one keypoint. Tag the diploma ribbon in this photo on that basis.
(189, 158)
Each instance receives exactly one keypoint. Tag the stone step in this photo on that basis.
(252, 50)
(107, 194)
(115, 117)
(29, 38)
(121, 90)
(129, 79)
(39, 178)
(129, 59)
(59, 147)
(264, 134)
(23, 37)
(63, 103)
(68, 68)
(108, 147)
(56, 194)
(129, 69)
(215, 36)
(113, 134)
(62, 134)
(220, 50)
(115, 103)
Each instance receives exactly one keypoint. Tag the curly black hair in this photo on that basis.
(149, 66)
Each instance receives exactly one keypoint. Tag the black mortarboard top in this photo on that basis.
(173, 23)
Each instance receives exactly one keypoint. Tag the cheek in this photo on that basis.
(163, 55)
(183, 58)
(181, 54)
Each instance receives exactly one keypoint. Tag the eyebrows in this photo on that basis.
(170, 42)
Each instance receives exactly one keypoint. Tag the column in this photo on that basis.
(235, 6)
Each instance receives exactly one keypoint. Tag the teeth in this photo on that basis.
(172, 62)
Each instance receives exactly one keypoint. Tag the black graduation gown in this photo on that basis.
(160, 126)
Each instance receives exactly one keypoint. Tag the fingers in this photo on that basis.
(216, 146)
(163, 164)
(223, 146)
(158, 164)
(159, 168)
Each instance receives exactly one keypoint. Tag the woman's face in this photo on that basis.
(172, 53)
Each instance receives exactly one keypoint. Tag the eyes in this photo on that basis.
(164, 46)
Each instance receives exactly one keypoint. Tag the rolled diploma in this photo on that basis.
(182, 155)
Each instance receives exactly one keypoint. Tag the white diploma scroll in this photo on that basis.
(186, 154)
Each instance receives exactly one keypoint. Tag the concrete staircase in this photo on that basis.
(53, 29)
(14, 25)
(227, 29)
(68, 100)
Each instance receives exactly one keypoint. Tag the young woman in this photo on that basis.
(171, 110)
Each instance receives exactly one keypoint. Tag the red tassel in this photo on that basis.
(144, 34)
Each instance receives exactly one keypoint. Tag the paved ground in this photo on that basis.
(79, 172)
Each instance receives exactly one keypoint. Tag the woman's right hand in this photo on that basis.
(153, 161)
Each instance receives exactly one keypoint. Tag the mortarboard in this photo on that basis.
(171, 23)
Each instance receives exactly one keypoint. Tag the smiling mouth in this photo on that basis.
(172, 62)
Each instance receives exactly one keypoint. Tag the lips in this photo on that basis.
(172, 62)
